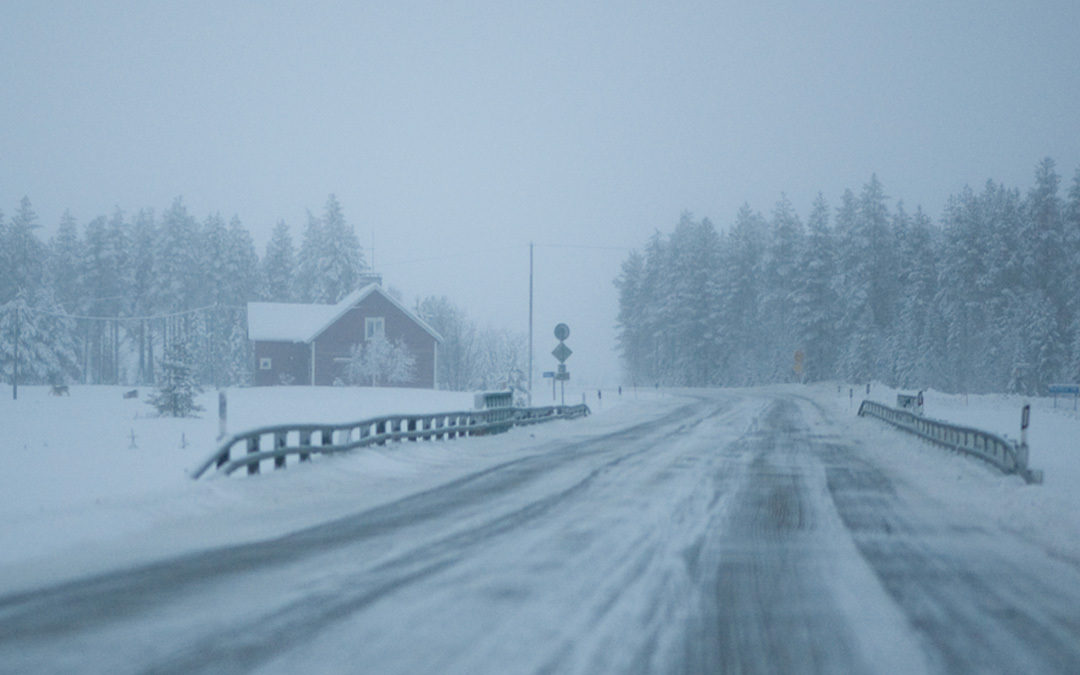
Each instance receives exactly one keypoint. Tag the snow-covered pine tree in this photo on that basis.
(212, 254)
(309, 286)
(278, 267)
(784, 244)
(1072, 239)
(177, 386)
(238, 351)
(107, 276)
(693, 254)
(65, 265)
(241, 265)
(140, 300)
(47, 350)
(176, 279)
(629, 336)
(655, 287)
(814, 310)
(913, 346)
(737, 313)
(22, 255)
(342, 258)
(1045, 273)
(330, 260)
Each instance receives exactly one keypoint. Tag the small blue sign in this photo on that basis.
(1073, 389)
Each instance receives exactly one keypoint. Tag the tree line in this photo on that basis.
(985, 299)
(104, 302)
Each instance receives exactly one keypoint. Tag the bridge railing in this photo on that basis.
(250, 448)
(1008, 456)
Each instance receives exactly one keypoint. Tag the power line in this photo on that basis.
(451, 254)
(457, 254)
(588, 246)
(152, 317)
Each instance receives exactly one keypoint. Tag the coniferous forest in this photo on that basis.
(108, 301)
(104, 302)
(984, 299)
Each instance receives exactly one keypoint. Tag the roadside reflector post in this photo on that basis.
(222, 409)
(1025, 420)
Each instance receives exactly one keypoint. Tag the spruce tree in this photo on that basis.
(177, 387)
(278, 267)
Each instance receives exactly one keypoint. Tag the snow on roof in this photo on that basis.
(285, 321)
(297, 322)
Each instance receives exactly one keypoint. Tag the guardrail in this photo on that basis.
(1008, 456)
(304, 440)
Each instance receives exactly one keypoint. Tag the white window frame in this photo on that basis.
(266, 363)
(374, 326)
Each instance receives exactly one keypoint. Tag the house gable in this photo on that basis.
(312, 342)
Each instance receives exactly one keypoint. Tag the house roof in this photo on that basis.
(298, 322)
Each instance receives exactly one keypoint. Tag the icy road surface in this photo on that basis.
(740, 532)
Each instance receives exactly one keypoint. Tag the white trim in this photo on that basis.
(266, 363)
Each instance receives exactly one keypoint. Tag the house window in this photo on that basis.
(374, 326)
(265, 363)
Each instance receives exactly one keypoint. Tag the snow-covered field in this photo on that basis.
(92, 481)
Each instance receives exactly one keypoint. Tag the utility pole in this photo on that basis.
(530, 322)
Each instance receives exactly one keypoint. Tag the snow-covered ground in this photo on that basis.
(748, 529)
(93, 481)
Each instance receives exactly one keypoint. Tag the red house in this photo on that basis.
(309, 344)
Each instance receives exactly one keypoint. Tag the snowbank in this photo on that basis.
(1048, 513)
(93, 481)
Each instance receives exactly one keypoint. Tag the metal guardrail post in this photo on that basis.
(279, 444)
(305, 441)
(252, 448)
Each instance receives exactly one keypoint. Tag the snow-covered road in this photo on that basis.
(742, 531)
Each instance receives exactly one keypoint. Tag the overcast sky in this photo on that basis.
(454, 133)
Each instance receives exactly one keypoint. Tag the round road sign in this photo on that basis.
(562, 331)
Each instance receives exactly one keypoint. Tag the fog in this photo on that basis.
(454, 134)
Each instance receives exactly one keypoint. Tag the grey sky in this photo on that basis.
(454, 133)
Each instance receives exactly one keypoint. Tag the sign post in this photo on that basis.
(1069, 389)
(561, 352)
(551, 374)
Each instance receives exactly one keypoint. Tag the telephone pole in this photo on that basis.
(530, 322)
